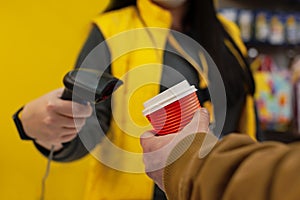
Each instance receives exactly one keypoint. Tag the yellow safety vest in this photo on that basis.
(120, 175)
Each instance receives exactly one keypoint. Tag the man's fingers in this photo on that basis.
(146, 139)
(199, 123)
(203, 121)
(148, 134)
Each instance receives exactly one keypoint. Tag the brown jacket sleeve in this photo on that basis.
(236, 168)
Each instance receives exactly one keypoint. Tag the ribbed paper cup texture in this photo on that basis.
(173, 109)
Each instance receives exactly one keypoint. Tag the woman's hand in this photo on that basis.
(53, 121)
(157, 148)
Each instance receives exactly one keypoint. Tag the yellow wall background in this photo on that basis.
(39, 43)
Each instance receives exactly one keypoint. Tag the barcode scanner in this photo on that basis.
(86, 85)
(82, 86)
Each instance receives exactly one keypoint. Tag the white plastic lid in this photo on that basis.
(167, 97)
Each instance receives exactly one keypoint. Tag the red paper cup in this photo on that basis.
(173, 109)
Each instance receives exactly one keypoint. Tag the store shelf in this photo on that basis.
(286, 137)
(283, 51)
(286, 5)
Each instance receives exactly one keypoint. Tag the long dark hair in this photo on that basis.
(117, 4)
(202, 24)
(209, 32)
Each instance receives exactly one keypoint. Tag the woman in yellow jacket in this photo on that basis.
(140, 49)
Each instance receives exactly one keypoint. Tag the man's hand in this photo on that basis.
(157, 148)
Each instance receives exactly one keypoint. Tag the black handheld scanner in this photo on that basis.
(85, 85)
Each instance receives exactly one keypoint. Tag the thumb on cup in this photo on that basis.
(199, 123)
